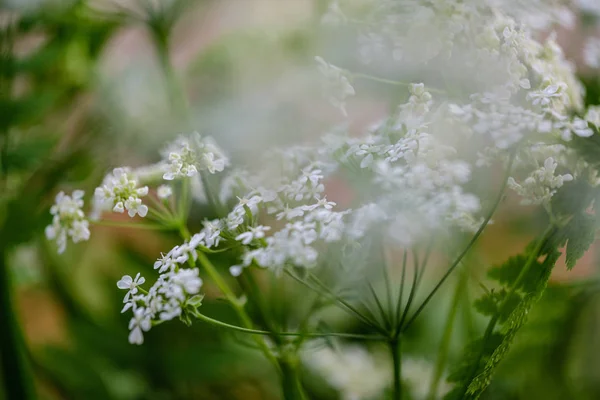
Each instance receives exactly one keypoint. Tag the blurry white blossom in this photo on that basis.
(164, 192)
(189, 155)
(337, 85)
(350, 369)
(541, 184)
(68, 220)
(591, 52)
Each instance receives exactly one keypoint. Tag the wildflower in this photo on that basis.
(338, 87)
(253, 233)
(68, 220)
(164, 192)
(350, 369)
(120, 192)
(187, 156)
(541, 185)
(131, 285)
(137, 325)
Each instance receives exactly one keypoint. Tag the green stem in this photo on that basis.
(328, 294)
(299, 334)
(395, 350)
(290, 379)
(17, 379)
(179, 104)
(446, 338)
(235, 302)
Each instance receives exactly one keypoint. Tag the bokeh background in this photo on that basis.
(86, 85)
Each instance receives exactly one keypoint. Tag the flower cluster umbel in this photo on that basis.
(409, 175)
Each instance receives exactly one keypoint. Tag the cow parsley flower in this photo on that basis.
(131, 285)
(189, 155)
(138, 324)
(352, 370)
(68, 220)
(164, 192)
(338, 86)
(541, 184)
(252, 233)
(175, 294)
(121, 192)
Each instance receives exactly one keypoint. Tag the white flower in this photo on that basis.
(188, 280)
(541, 185)
(164, 192)
(236, 270)
(212, 233)
(591, 52)
(350, 369)
(135, 206)
(188, 155)
(139, 323)
(131, 285)
(593, 116)
(120, 192)
(253, 233)
(68, 220)
(338, 87)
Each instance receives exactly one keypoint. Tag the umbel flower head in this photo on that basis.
(120, 192)
(188, 155)
(175, 294)
(68, 220)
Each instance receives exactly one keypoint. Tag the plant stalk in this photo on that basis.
(395, 350)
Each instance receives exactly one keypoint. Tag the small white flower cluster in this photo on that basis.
(175, 294)
(591, 52)
(304, 224)
(120, 192)
(350, 369)
(337, 87)
(541, 185)
(188, 155)
(521, 91)
(68, 220)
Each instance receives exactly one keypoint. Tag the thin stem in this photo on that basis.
(222, 324)
(329, 294)
(469, 245)
(380, 307)
(388, 284)
(237, 305)
(446, 337)
(348, 306)
(389, 81)
(413, 289)
(402, 280)
(397, 362)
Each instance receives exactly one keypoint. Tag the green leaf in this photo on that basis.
(508, 272)
(582, 230)
(482, 356)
